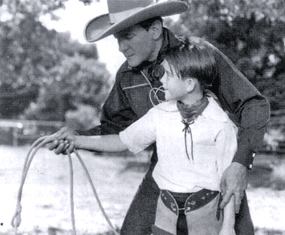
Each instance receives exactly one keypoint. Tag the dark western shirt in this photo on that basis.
(135, 92)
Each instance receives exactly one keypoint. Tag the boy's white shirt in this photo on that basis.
(214, 146)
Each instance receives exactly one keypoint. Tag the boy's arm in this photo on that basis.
(104, 143)
(66, 140)
(229, 219)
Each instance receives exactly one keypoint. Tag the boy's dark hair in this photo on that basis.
(147, 23)
(192, 60)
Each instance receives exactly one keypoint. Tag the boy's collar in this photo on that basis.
(213, 111)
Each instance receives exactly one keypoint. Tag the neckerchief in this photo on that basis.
(189, 114)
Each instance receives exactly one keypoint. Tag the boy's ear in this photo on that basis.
(156, 29)
(190, 84)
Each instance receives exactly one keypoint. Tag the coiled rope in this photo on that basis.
(16, 220)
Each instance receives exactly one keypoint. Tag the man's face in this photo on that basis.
(137, 44)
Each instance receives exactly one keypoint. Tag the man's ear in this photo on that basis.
(156, 29)
(190, 84)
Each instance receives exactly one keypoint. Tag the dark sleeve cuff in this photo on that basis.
(245, 157)
(249, 141)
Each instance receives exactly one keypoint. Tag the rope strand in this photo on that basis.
(16, 219)
(95, 193)
(71, 193)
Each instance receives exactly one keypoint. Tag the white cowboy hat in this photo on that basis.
(126, 13)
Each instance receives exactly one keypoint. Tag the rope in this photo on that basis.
(154, 90)
(16, 220)
(71, 193)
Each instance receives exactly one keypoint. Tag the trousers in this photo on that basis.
(194, 213)
(140, 216)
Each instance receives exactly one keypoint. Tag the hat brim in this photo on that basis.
(101, 27)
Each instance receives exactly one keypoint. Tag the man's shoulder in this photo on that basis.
(123, 68)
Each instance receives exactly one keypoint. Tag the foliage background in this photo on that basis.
(45, 74)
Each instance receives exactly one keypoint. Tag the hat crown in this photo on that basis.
(121, 9)
(126, 13)
(115, 6)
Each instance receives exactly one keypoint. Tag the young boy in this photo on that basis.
(195, 140)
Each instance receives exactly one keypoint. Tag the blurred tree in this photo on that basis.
(250, 32)
(75, 81)
(42, 66)
(38, 64)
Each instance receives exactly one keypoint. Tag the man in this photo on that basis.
(137, 26)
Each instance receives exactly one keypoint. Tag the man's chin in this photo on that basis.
(133, 63)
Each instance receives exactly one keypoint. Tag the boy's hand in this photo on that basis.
(227, 231)
(234, 182)
(63, 140)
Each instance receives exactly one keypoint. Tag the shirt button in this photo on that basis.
(253, 155)
(250, 166)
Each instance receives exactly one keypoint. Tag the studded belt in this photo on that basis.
(193, 202)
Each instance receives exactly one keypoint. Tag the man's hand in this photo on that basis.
(234, 182)
(64, 140)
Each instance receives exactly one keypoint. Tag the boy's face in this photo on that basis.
(137, 45)
(174, 87)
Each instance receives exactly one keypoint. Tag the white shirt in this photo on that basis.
(214, 145)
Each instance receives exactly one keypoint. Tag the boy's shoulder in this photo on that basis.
(163, 110)
(166, 106)
(215, 112)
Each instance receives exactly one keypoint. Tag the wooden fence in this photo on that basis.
(20, 132)
(274, 141)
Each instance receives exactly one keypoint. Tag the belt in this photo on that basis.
(193, 202)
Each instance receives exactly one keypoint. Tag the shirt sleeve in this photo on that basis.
(246, 106)
(226, 143)
(140, 134)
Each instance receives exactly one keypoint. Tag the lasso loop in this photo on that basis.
(16, 220)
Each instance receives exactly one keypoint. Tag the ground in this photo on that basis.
(45, 198)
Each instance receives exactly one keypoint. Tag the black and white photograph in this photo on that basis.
(142, 117)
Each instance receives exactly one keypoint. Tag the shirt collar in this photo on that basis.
(212, 111)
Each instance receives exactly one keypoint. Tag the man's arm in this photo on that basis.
(254, 116)
(250, 111)
(116, 112)
(253, 120)
(246, 106)
(229, 219)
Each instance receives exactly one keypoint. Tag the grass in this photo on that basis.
(45, 198)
